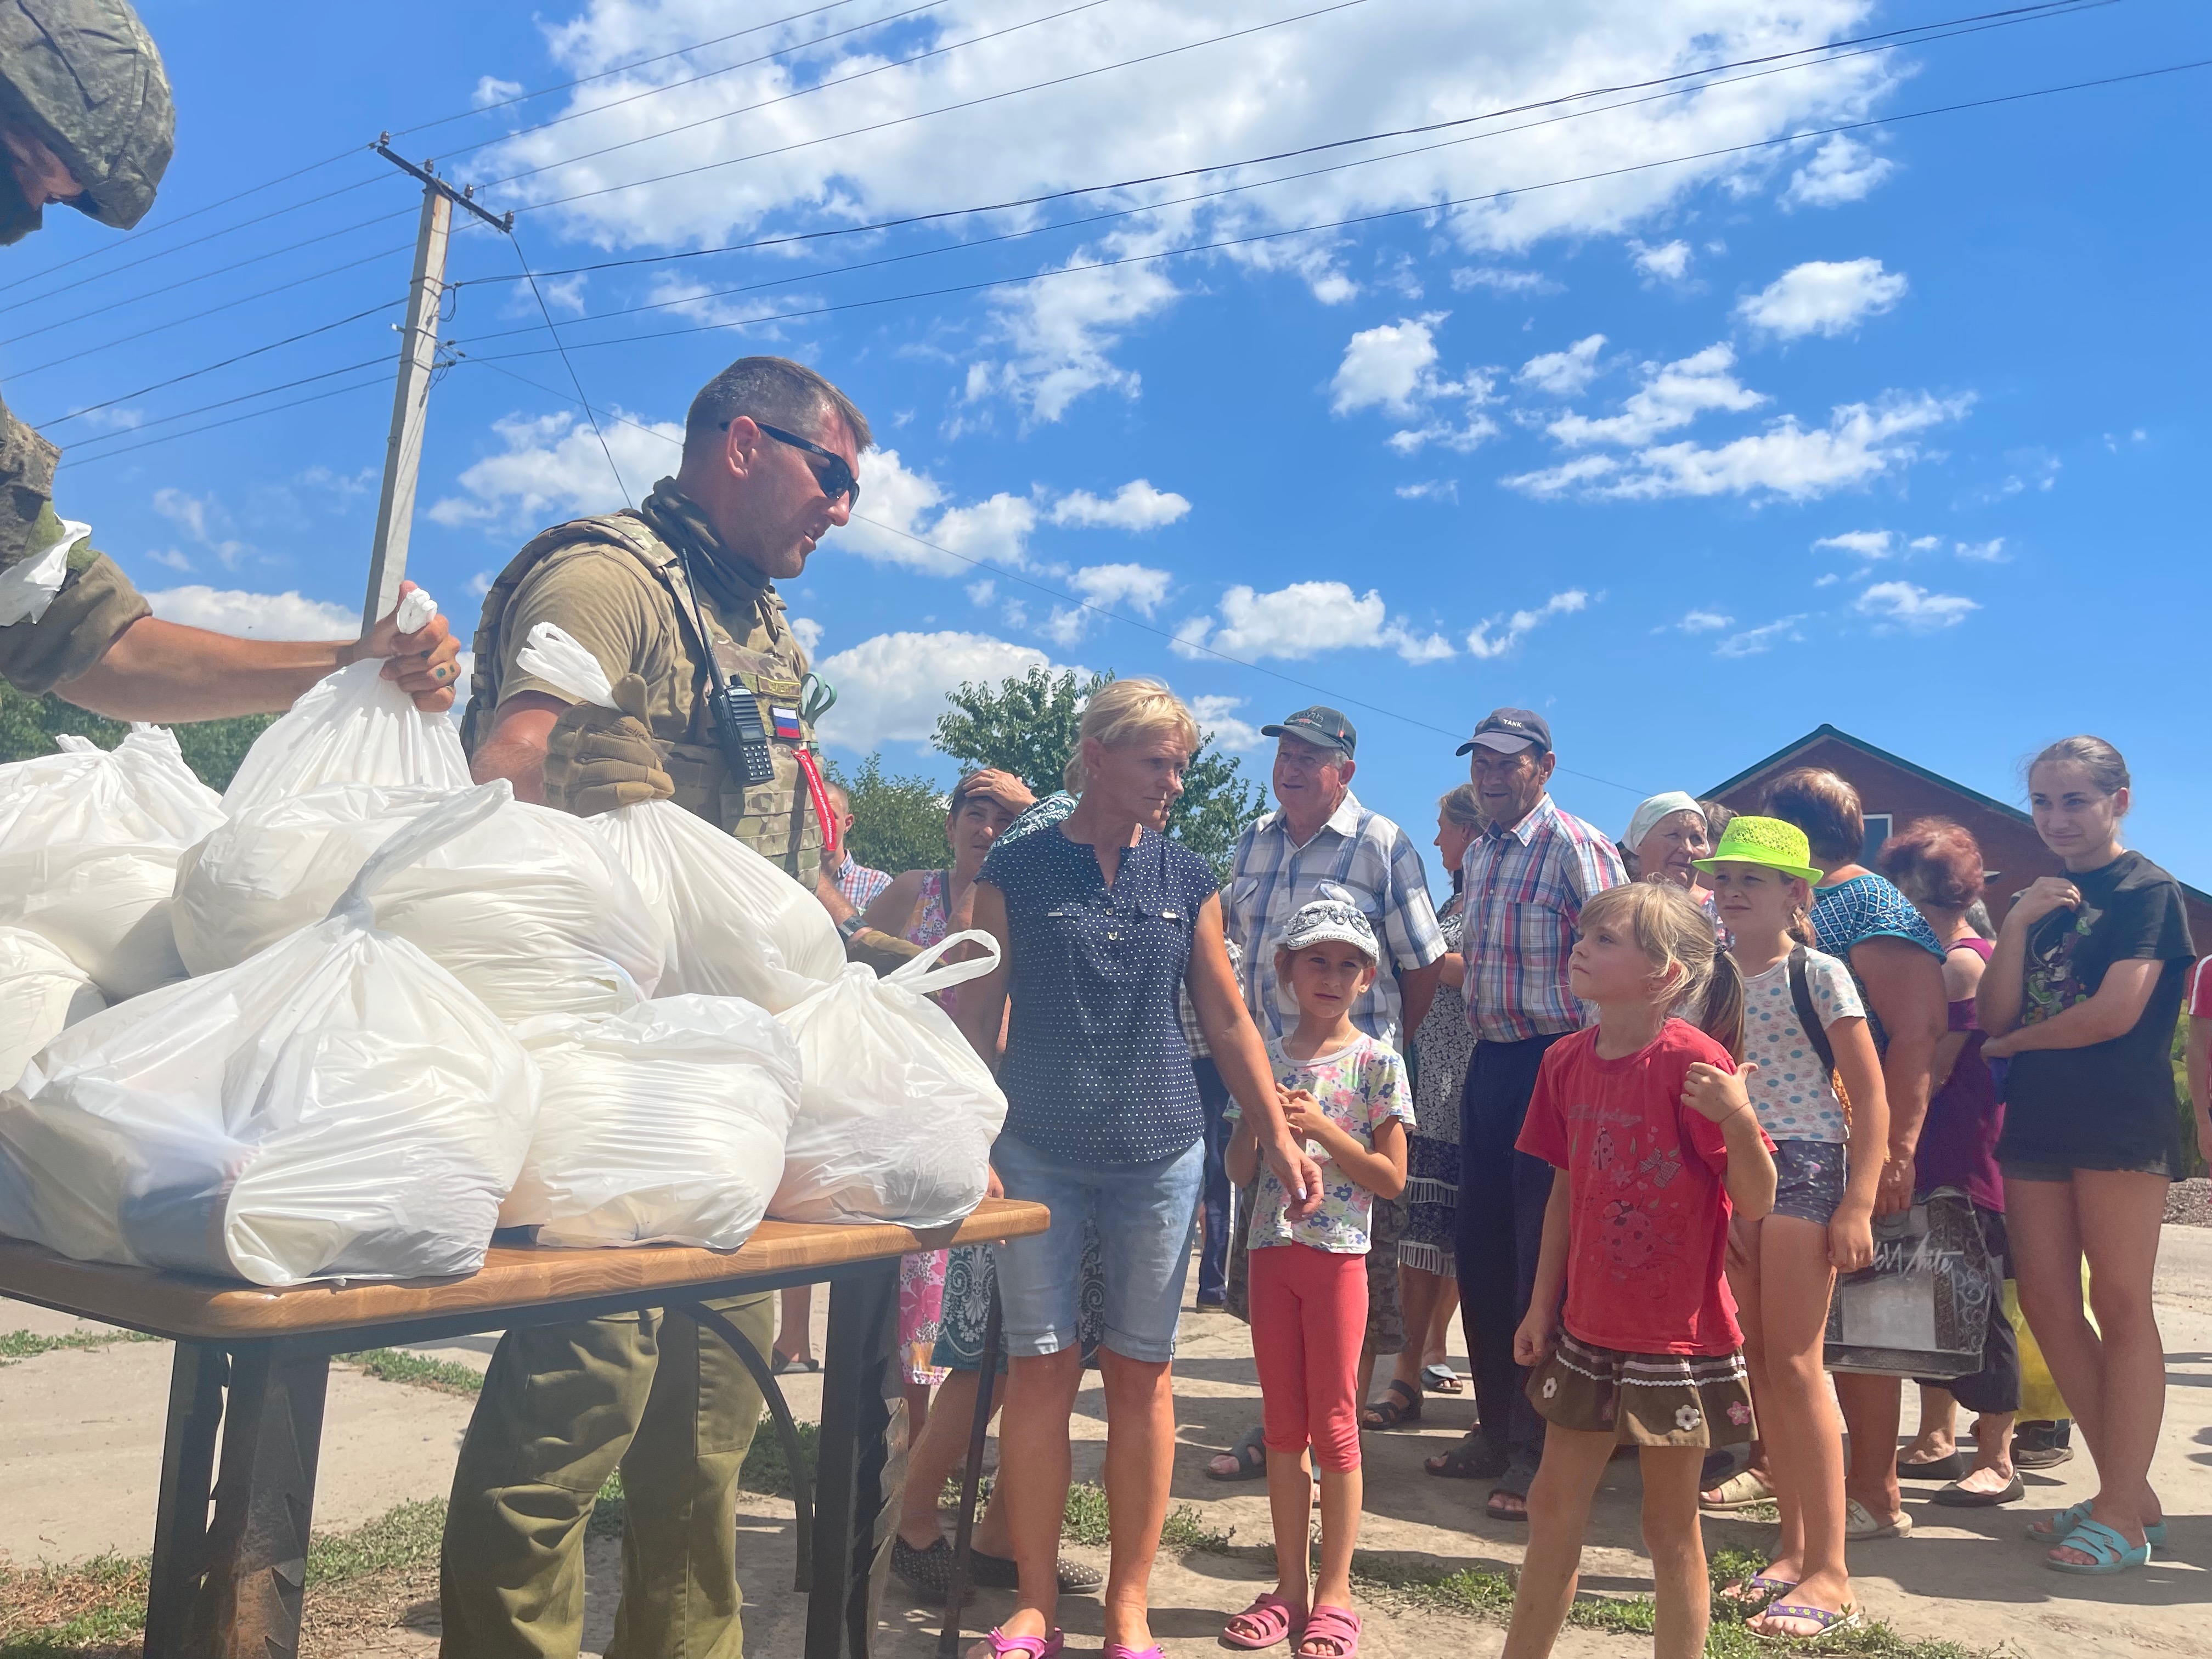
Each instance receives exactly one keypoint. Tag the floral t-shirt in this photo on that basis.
(1357, 1087)
(1791, 1090)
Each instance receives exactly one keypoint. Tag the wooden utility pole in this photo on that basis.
(411, 395)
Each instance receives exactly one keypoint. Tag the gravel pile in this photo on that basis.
(2190, 1202)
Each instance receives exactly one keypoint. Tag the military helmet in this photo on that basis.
(83, 77)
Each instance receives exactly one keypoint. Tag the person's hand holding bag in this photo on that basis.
(598, 759)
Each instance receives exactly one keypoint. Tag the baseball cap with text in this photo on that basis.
(1324, 727)
(1509, 731)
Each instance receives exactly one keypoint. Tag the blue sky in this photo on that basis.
(1888, 428)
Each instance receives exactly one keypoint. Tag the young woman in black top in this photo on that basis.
(2081, 998)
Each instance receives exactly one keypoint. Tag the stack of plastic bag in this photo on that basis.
(665, 1125)
(738, 927)
(897, 1114)
(89, 841)
(528, 909)
(336, 1107)
(354, 726)
(42, 992)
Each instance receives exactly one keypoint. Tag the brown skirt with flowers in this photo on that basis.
(1645, 1399)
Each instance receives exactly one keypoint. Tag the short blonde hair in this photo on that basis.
(1127, 711)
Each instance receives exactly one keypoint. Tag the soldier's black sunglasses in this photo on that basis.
(837, 479)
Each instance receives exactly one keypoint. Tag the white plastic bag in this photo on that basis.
(28, 585)
(897, 1113)
(355, 727)
(107, 909)
(337, 1107)
(528, 909)
(737, 926)
(139, 790)
(42, 992)
(665, 1125)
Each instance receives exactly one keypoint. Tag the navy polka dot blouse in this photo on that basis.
(1097, 1070)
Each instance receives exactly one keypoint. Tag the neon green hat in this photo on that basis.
(1770, 841)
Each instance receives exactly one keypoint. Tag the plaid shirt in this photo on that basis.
(1525, 888)
(1194, 1034)
(860, 885)
(1358, 855)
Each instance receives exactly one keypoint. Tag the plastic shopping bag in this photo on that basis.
(897, 1113)
(338, 1106)
(42, 992)
(355, 727)
(107, 909)
(528, 909)
(665, 1125)
(141, 791)
(1923, 1307)
(737, 926)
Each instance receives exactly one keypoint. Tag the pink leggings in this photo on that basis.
(1309, 1320)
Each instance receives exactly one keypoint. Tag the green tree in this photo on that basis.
(29, 724)
(1028, 726)
(898, 823)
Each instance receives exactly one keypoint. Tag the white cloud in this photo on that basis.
(550, 467)
(1864, 543)
(1673, 395)
(203, 520)
(171, 557)
(1392, 366)
(1563, 373)
(892, 688)
(1860, 443)
(981, 592)
(1467, 279)
(287, 615)
(1058, 332)
(1478, 429)
(1841, 170)
(479, 584)
(1925, 544)
(1754, 640)
(809, 633)
(1669, 262)
(1704, 622)
(1496, 635)
(491, 89)
(1132, 585)
(1988, 552)
(1822, 296)
(1903, 605)
(1431, 489)
(1303, 620)
(1216, 718)
(1135, 506)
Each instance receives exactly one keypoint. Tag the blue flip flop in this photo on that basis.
(2064, 1521)
(2109, 1553)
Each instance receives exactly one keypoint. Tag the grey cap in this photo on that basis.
(83, 77)
(1328, 918)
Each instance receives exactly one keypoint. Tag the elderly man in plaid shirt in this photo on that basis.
(1525, 878)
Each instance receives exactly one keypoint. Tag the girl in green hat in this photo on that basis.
(1829, 1146)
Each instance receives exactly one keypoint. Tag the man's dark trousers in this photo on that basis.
(1214, 1196)
(1502, 1196)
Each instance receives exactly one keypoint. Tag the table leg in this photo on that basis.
(248, 1607)
(861, 1473)
(794, 1454)
(198, 1375)
(963, 1536)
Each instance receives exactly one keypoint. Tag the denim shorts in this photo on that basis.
(1142, 1213)
(1809, 1179)
(2022, 1168)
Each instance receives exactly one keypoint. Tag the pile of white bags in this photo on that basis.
(897, 1114)
(356, 726)
(663, 1125)
(737, 926)
(42, 992)
(337, 1106)
(89, 841)
(528, 909)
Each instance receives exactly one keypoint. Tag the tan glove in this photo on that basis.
(598, 759)
(884, 953)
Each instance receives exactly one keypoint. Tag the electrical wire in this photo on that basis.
(1391, 213)
(71, 459)
(225, 403)
(621, 484)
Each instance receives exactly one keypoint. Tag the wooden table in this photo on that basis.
(255, 1362)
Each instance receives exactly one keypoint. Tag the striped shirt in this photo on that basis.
(1525, 888)
(1194, 1033)
(1357, 856)
(860, 885)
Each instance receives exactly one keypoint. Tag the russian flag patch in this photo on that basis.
(787, 728)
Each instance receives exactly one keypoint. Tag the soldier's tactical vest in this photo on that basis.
(777, 819)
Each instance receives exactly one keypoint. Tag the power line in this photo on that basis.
(575, 380)
(1146, 207)
(382, 380)
(225, 403)
(1391, 213)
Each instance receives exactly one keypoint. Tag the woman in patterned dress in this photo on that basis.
(923, 906)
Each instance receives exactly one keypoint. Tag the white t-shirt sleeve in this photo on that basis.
(1835, 994)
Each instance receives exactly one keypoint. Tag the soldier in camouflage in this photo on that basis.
(664, 596)
(85, 119)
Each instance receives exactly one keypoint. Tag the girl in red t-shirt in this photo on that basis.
(1647, 1122)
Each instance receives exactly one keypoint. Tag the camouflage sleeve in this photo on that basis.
(96, 602)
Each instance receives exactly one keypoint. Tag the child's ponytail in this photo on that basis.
(1722, 1016)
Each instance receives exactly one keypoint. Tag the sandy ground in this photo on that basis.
(79, 1442)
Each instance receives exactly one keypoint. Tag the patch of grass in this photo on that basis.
(1184, 1527)
(765, 1472)
(29, 1345)
(407, 1536)
(397, 1365)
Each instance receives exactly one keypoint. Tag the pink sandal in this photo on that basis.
(1339, 1626)
(1123, 1650)
(1025, 1647)
(1269, 1620)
